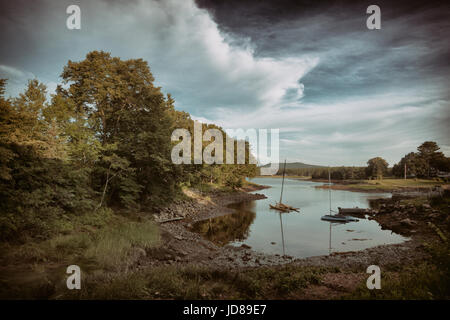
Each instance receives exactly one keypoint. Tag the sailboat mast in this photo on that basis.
(282, 182)
(329, 187)
(329, 243)
(282, 234)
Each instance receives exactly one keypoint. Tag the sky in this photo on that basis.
(339, 93)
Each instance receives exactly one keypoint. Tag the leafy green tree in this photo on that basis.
(428, 151)
(123, 108)
(37, 188)
(377, 167)
(415, 165)
(8, 121)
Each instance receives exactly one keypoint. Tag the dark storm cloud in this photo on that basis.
(410, 47)
(406, 60)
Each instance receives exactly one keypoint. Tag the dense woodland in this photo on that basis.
(102, 141)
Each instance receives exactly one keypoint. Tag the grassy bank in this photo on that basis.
(193, 282)
(36, 269)
(115, 252)
(426, 280)
(385, 185)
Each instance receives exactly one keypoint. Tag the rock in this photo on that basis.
(426, 206)
(245, 246)
(432, 216)
(245, 258)
(407, 222)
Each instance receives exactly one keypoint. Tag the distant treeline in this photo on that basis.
(336, 173)
(103, 140)
(426, 163)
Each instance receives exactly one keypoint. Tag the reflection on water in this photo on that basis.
(297, 234)
(229, 228)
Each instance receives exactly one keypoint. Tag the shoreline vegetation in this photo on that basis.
(87, 178)
(131, 257)
(380, 186)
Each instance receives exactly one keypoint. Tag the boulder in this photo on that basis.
(407, 222)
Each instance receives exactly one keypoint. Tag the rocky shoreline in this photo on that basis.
(181, 246)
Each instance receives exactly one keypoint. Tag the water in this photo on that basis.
(304, 234)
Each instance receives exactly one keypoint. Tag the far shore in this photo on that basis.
(374, 186)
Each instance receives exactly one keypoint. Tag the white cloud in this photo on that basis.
(219, 78)
(17, 79)
(206, 70)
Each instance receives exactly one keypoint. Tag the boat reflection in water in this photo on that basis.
(332, 224)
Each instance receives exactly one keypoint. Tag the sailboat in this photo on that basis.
(280, 206)
(335, 217)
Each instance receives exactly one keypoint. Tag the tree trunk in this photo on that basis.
(104, 190)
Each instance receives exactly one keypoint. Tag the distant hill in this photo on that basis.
(295, 165)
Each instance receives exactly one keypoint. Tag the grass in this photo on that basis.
(37, 269)
(169, 282)
(109, 246)
(389, 184)
(425, 281)
(402, 183)
(386, 184)
(192, 282)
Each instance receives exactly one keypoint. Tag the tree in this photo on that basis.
(37, 187)
(428, 151)
(118, 102)
(33, 129)
(377, 167)
(415, 165)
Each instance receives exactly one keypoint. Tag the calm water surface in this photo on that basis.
(300, 234)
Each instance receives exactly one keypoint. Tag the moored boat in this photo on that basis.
(280, 206)
(338, 217)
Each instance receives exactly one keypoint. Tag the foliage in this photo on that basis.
(193, 282)
(376, 167)
(103, 140)
(425, 163)
(425, 280)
